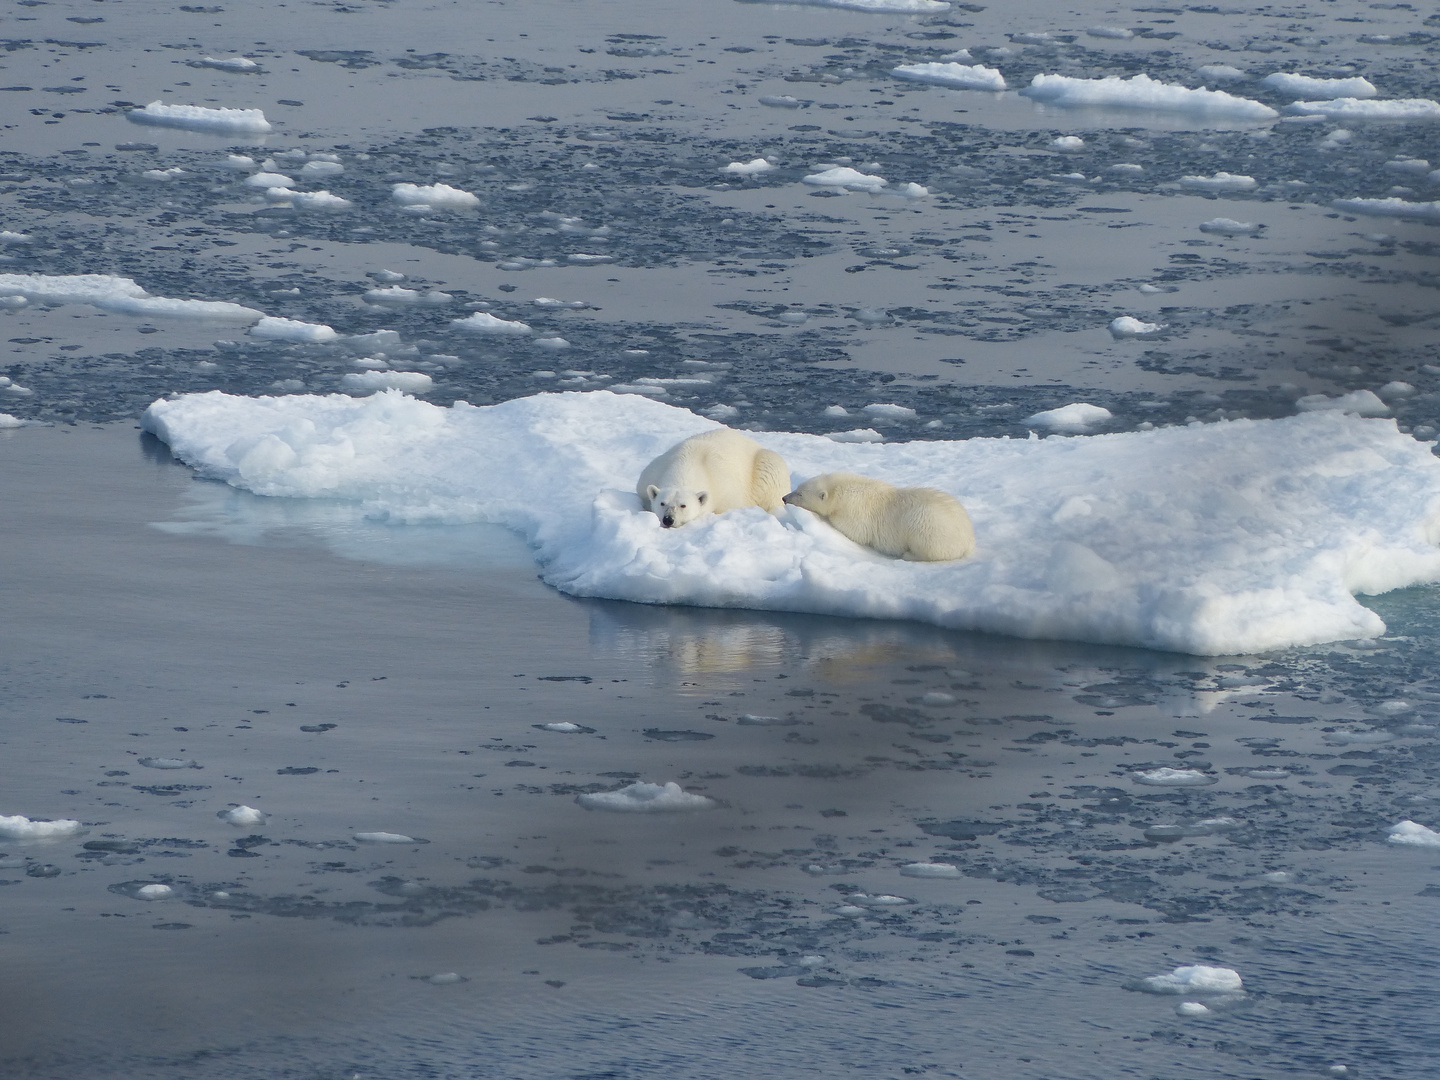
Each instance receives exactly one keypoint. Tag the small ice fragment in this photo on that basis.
(859, 435)
(1277, 877)
(434, 196)
(321, 168)
(269, 180)
(239, 161)
(1076, 417)
(169, 763)
(850, 910)
(163, 175)
(385, 838)
(411, 382)
(1142, 92)
(482, 322)
(1165, 776)
(1391, 207)
(397, 296)
(919, 7)
(958, 56)
(842, 176)
(1192, 1008)
(1358, 402)
(722, 412)
(882, 900)
(199, 118)
(154, 892)
(551, 302)
(552, 343)
(1220, 73)
(755, 167)
(243, 815)
(953, 76)
(1195, 979)
(1067, 143)
(930, 870)
(1354, 108)
(1221, 181)
(937, 697)
(1408, 833)
(317, 200)
(793, 318)
(563, 726)
(229, 63)
(274, 328)
(19, 827)
(912, 191)
(1304, 86)
(1127, 168)
(444, 978)
(580, 258)
(1115, 33)
(1224, 226)
(641, 797)
(780, 101)
(388, 276)
(1127, 326)
(1396, 390)
(887, 411)
(752, 720)
(835, 410)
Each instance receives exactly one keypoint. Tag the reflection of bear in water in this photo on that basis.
(920, 524)
(711, 473)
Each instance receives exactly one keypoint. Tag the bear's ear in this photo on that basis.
(651, 492)
(701, 497)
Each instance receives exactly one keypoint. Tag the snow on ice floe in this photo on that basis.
(482, 322)
(1142, 92)
(386, 838)
(646, 798)
(955, 76)
(8, 422)
(1114, 33)
(433, 196)
(399, 296)
(268, 180)
(412, 382)
(154, 891)
(1350, 108)
(1194, 979)
(1232, 537)
(228, 63)
(902, 7)
(1165, 776)
(930, 870)
(1304, 86)
(200, 118)
(842, 176)
(1359, 402)
(756, 167)
(19, 827)
(275, 328)
(1127, 326)
(1220, 73)
(1075, 418)
(1407, 833)
(1224, 226)
(1221, 181)
(309, 200)
(243, 816)
(117, 294)
(1392, 207)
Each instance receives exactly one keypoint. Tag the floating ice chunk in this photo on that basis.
(14, 389)
(842, 176)
(396, 296)
(7, 237)
(229, 63)
(937, 698)
(434, 196)
(275, 328)
(752, 720)
(1128, 168)
(1221, 181)
(1396, 390)
(1423, 211)
(154, 892)
(18, 827)
(9, 423)
(1127, 326)
(1336, 139)
(482, 322)
(880, 6)
(564, 727)
(163, 175)
(780, 101)
(321, 167)
(1192, 1008)
(169, 763)
(412, 382)
(1165, 776)
(1304, 86)
(1115, 33)
(886, 411)
(1143, 92)
(859, 435)
(1220, 73)
(1408, 833)
(316, 200)
(930, 870)
(1077, 417)
(243, 816)
(1358, 402)
(835, 410)
(912, 191)
(1195, 979)
(121, 295)
(1410, 166)
(883, 900)
(553, 343)
(1352, 108)
(199, 118)
(645, 798)
(385, 838)
(954, 76)
(755, 167)
(580, 258)
(551, 302)
(1067, 143)
(722, 412)
(1224, 226)
(444, 978)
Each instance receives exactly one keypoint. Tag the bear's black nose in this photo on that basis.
(788, 499)
(668, 522)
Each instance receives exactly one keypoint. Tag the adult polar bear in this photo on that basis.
(711, 473)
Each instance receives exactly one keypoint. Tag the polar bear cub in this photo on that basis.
(711, 473)
(916, 523)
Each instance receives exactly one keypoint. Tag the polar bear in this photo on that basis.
(915, 523)
(710, 473)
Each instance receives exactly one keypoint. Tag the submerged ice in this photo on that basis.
(1222, 538)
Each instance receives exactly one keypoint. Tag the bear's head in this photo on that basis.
(813, 495)
(677, 506)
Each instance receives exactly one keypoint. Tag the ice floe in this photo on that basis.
(1220, 73)
(312, 200)
(482, 322)
(385, 838)
(902, 7)
(1165, 776)
(412, 382)
(1358, 402)
(1075, 418)
(269, 180)
(1224, 226)
(1195, 979)
(1221, 181)
(1127, 326)
(842, 176)
(1304, 86)
(1143, 92)
(398, 296)
(646, 798)
(275, 328)
(19, 827)
(201, 118)
(1392, 207)
(434, 197)
(243, 816)
(755, 167)
(117, 294)
(1350, 108)
(1114, 33)
(955, 76)
(1407, 833)
(1067, 143)
(1231, 537)
(229, 63)
(930, 870)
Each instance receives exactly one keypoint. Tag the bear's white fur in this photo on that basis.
(916, 523)
(711, 473)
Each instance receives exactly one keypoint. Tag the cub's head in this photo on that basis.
(818, 494)
(677, 506)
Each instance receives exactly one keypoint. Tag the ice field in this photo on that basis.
(356, 723)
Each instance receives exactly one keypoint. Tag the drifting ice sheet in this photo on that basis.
(901, 6)
(19, 827)
(199, 118)
(117, 294)
(1350, 108)
(1219, 538)
(1143, 92)
(1304, 86)
(955, 76)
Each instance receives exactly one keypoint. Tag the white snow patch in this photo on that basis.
(117, 294)
(842, 176)
(1351, 108)
(1232, 537)
(412, 382)
(1195, 979)
(482, 322)
(1358, 402)
(1224, 226)
(434, 196)
(1221, 181)
(755, 167)
(1127, 326)
(1143, 92)
(858, 435)
(200, 118)
(1074, 418)
(1408, 833)
(275, 328)
(645, 798)
(244, 816)
(18, 827)
(954, 76)
(1392, 207)
(1304, 86)
(1165, 776)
